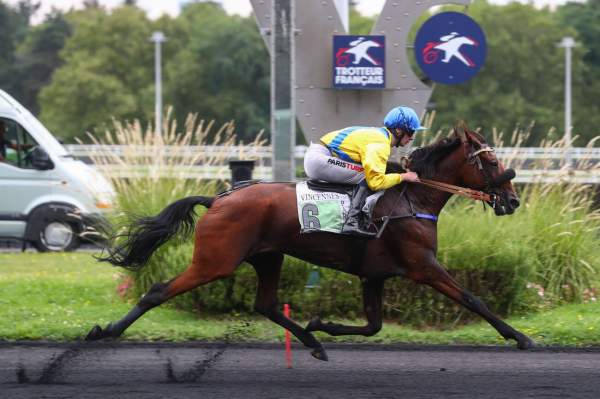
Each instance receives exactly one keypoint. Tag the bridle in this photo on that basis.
(474, 159)
(478, 195)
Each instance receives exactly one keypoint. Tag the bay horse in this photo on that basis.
(259, 224)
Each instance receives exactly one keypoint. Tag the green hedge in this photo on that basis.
(338, 294)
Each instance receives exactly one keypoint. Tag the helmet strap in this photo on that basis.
(398, 134)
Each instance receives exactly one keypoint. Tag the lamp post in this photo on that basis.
(158, 38)
(568, 43)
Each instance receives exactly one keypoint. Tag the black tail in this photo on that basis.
(133, 248)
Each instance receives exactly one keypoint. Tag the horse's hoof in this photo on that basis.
(95, 334)
(525, 343)
(313, 325)
(319, 353)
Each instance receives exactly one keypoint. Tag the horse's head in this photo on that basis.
(482, 170)
(466, 159)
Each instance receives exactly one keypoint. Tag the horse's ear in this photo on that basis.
(461, 130)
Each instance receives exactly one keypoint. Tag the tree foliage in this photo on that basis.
(222, 69)
(82, 68)
(37, 57)
(213, 64)
(7, 44)
(107, 72)
(14, 26)
(359, 24)
(585, 19)
(522, 80)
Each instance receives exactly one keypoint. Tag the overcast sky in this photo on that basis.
(155, 8)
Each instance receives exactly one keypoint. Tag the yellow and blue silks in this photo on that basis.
(369, 146)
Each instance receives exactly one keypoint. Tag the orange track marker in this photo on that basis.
(288, 345)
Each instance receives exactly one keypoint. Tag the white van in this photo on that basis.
(47, 198)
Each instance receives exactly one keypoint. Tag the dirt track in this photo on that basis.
(121, 370)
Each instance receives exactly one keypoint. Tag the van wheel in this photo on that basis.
(56, 236)
(54, 228)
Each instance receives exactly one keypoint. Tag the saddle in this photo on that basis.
(316, 185)
(322, 185)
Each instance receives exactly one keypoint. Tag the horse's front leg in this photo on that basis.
(438, 278)
(372, 299)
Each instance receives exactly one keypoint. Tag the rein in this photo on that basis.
(463, 191)
(458, 190)
(477, 195)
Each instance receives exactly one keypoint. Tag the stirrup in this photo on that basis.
(357, 231)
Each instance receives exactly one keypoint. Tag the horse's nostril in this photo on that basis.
(514, 203)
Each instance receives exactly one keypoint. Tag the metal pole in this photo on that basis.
(158, 37)
(283, 121)
(568, 43)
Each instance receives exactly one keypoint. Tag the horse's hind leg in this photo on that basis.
(268, 269)
(372, 298)
(440, 280)
(159, 293)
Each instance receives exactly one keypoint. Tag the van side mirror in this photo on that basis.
(40, 159)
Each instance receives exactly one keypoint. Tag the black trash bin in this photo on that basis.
(240, 171)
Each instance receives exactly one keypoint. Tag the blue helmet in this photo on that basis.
(404, 118)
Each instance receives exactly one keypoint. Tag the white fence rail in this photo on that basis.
(532, 164)
(265, 152)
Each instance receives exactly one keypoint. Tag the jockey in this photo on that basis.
(358, 155)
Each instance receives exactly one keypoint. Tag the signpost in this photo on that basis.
(450, 48)
(358, 62)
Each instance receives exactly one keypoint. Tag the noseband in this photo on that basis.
(490, 183)
(474, 159)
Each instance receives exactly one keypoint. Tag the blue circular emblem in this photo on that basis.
(450, 48)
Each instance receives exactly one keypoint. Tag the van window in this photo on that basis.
(15, 144)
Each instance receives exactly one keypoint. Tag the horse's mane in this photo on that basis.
(424, 160)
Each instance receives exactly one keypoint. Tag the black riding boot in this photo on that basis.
(354, 224)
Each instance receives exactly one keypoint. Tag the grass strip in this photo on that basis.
(61, 296)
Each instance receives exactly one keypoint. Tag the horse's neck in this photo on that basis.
(426, 199)
(430, 199)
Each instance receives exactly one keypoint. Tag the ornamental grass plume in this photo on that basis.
(153, 169)
(150, 171)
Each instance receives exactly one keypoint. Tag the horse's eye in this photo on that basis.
(494, 163)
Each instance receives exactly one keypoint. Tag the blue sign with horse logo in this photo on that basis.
(358, 62)
(450, 48)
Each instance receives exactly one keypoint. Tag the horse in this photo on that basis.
(258, 224)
